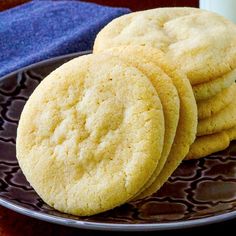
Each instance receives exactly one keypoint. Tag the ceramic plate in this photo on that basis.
(200, 192)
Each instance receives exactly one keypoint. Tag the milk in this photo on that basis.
(225, 8)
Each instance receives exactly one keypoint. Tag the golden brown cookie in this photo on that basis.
(90, 135)
(212, 88)
(202, 43)
(231, 133)
(213, 105)
(208, 144)
(186, 130)
(223, 120)
(167, 93)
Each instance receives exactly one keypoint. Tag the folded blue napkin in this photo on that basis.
(42, 29)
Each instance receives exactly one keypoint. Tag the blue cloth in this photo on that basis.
(42, 29)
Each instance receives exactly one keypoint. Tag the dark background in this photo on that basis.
(134, 5)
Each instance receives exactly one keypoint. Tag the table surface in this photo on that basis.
(14, 224)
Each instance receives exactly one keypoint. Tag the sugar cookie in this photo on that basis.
(91, 135)
(187, 126)
(202, 43)
(208, 144)
(167, 92)
(207, 90)
(224, 119)
(211, 106)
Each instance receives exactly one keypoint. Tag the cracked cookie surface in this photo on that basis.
(134, 55)
(202, 43)
(90, 135)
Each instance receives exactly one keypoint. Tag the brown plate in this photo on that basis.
(200, 192)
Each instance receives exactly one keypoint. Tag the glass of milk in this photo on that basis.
(226, 8)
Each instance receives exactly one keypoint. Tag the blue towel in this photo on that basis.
(42, 29)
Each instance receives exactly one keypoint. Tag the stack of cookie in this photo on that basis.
(102, 130)
(203, 45)
(111, 127)
(216, 117)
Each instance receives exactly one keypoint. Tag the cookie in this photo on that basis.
(207, 90)
(167, 92)
(187, 126)
(91, 135)
(231, 133)
(211, 106)
(208, 144)
(224, 119)
(202, 43)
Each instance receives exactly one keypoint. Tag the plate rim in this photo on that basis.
(181, 224)
(184, 224)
